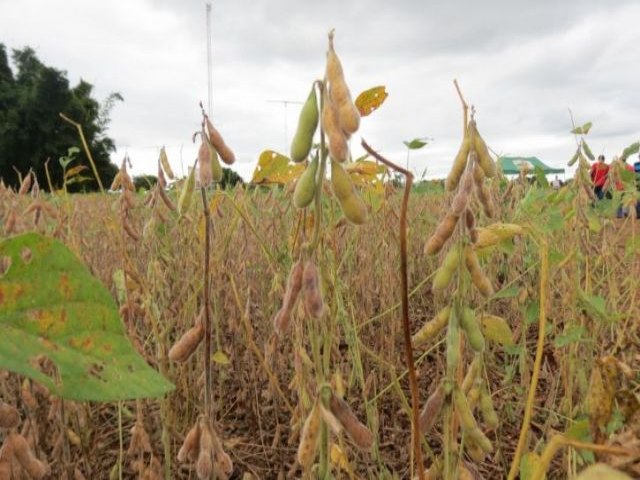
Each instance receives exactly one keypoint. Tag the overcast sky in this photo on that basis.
(522, 64)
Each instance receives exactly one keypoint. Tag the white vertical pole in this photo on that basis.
(209, 62)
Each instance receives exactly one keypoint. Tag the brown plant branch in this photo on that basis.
(413, 383)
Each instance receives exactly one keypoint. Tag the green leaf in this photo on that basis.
(594, 223)
(631, 150)
(532, 312)
(541, 177)
(593, 304)
(581, 431)
(632, 247)
(583, 130)
(508, 292)
(528, 464)
(416, 143)
(64, 161)
(51, 305)
(571, 335)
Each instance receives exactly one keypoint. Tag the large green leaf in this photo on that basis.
(51, 305)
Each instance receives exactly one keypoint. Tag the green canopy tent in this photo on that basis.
(512, 165)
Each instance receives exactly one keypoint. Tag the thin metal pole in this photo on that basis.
(209, 62)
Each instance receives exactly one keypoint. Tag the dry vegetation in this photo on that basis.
(258, 402)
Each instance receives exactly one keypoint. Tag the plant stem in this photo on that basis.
(320, 175)
(542, 321)
(413, 383)
(208, 407)
(86, 149)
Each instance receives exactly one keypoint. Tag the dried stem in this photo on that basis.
(559, 441)
(413, 384)
(465, 106)
(542, 321)
(208, 408)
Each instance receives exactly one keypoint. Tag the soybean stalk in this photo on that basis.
(413, 384)
(86, 148)
(542, 321)
(207, 318)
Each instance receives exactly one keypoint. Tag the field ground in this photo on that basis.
(263, 384)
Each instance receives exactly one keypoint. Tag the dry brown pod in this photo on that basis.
(348, 114)
(205, 174)
(478, 277)
(34, 467)
(165, 199)
(443, 232)
(338, 147)
(131, 232)
(431, 409)
(294, 284)
(9, 416)
(139, 440)
(359, 432)
(309, 438)
(191, 445)
(187, 344)
(313, 302)
(217, 141)
(204, 464)
(25, 185)
(459, 203)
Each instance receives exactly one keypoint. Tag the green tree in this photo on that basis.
(230, 178)
(31, 130)
(144, 182)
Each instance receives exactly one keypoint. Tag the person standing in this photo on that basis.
(599, 175)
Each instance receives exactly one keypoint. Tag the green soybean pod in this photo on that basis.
(444, 274)
(307, 124)
(453, 343)
(486, 408)
(306, 185)
(186, 194)
(471, 328)
(587, 151)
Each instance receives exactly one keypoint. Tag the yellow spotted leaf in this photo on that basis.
(221, 358)
(338, 458)
(273, 167)
(370, 100)
(497, 329)
(601, 471)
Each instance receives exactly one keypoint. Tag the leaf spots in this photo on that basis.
(5, 265)
(65, 287)
(26, 255)
(44, 319)
(85, 344)
(95, 370)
